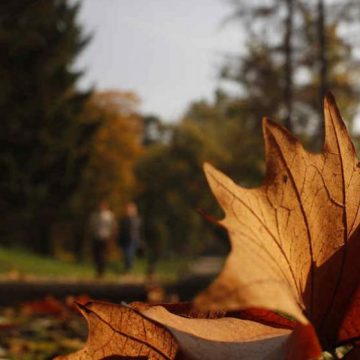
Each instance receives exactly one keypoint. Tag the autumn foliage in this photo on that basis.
(115, 147)
(295, 251)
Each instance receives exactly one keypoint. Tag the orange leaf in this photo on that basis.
(295, 244)
(117, 330)
(222, 338)
(47, 306)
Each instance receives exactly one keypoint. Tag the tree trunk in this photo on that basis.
(323, 64)
(288, 91)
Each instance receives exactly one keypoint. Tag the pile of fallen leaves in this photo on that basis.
(288, 289)
(41, 329)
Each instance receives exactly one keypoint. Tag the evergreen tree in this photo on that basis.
(42, 141)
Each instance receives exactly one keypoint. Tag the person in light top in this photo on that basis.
(102, 226)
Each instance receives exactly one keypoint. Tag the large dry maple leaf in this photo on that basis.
(295, 239)
(295, 250)
(169, 332)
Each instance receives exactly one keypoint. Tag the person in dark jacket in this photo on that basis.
(130, 234)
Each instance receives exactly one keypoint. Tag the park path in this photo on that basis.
(127, 288)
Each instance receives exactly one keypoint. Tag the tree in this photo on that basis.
(257, 17)
(231, 123)
(307, 52)
(172, 186)
(329, 54)
(114, 150)
(171, 177)
(289, 72)
(43, 143)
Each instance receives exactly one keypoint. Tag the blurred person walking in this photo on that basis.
(130, 234)
(102, 226)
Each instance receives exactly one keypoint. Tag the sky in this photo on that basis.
(168, 52)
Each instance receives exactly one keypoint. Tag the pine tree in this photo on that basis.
(42, 141)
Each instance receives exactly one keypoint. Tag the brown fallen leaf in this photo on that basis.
(295, 239)
(222, 338)
(154, 332)
(117, 330)
(47, 306)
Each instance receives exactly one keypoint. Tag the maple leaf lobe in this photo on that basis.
(294, 244)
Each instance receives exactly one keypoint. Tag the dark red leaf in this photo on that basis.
(303, 343)
(350, 328)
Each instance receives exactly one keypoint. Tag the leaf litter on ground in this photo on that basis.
(42, 329)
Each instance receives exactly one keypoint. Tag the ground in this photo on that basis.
(37, 317)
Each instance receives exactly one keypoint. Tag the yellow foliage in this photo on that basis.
(116, 146)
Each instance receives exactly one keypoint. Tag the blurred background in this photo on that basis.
(119, 100)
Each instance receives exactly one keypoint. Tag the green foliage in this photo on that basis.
(235, 129)
(43, 143)
(170, 172)
(173, 187)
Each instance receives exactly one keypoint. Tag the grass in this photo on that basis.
(19, 263)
